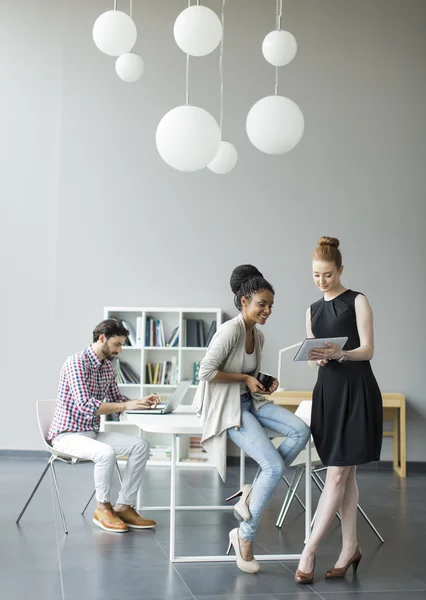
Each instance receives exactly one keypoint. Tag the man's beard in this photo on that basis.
(107, 353)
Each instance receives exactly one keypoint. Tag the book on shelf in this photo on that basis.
(194, 333)
(131, 338)
(164, 373)
(124, 372)
(211, 333)
(196, 373)
(174, 338)
(154, 333)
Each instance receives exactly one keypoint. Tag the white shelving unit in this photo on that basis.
(140, 355)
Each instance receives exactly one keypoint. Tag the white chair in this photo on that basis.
(45, 412)
(304, 412)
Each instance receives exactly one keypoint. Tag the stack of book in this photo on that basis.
(164, 373)
(124, 372)
(195, 453)
(160, 452)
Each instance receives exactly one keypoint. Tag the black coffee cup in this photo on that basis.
(266, 380)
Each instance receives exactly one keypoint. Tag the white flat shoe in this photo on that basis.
(248, 566)
(241, 509)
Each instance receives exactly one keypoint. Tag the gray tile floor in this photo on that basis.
(39, 562)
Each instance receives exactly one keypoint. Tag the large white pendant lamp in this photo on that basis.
(187, 138)
(279, 47)
(275, 124)
(197, 30)
(114, 33)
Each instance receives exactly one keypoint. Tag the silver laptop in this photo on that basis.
(172, 404)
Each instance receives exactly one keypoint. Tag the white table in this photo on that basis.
(182, 423)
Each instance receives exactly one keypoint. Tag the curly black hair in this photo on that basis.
(245, 281)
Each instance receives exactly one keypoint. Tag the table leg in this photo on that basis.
(403, 440)
(396, 440)
(242, 467)
(173, 500)
(139, 494)
(308, 491)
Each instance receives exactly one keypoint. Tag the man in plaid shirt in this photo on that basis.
(87, 379)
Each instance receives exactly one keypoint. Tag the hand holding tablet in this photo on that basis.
(320, 348)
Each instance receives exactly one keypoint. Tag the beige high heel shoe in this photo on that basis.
(248, 566)
(241, 509)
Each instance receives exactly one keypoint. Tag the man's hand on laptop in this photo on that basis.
(150, 401)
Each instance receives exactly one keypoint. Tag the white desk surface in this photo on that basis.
(183, 421)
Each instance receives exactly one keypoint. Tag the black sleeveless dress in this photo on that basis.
(347, 416)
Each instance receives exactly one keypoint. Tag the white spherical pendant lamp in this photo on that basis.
(225, 160)
(129, 67)
(197, 30)
(188, 138)
(114, 33)
(279, 47)
(275, 124)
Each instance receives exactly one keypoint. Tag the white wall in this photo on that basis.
(96, 218)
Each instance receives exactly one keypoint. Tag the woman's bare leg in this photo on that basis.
(329, 503)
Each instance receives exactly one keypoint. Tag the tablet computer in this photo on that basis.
(302, 353)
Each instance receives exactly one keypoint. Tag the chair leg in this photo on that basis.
(284, 504)
(34, 490)
(288, 500)
(55, 481)
(296, 496)
(370, 523)
(118, 474)
(88, 502)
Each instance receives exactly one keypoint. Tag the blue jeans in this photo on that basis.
(251, 437)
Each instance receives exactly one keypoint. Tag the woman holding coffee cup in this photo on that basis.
(231, 402)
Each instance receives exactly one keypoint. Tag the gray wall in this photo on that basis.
(94, 217)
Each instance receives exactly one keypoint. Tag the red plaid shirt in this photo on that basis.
(85, 382)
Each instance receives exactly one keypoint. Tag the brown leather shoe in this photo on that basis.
(341, 572)
(132, 519)
(108, 520)
(305, 578)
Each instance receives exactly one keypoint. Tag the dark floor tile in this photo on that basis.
(401, 595)
(24, 583)
(226, 579)
(98, 565)
(369, 582)
(289, 596)
(106, 582)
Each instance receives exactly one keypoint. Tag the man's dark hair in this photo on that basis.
(110, 328)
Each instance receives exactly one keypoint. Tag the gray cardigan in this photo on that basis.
(218, 404)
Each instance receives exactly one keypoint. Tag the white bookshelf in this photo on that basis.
(139, 355)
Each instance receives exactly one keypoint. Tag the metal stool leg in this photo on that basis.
(34, 490)
(118, 473)
(284, 509)
(55, 481)
(89, 501)
(296, 496)
(370, 523)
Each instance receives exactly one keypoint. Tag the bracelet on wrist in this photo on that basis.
(343, 358)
